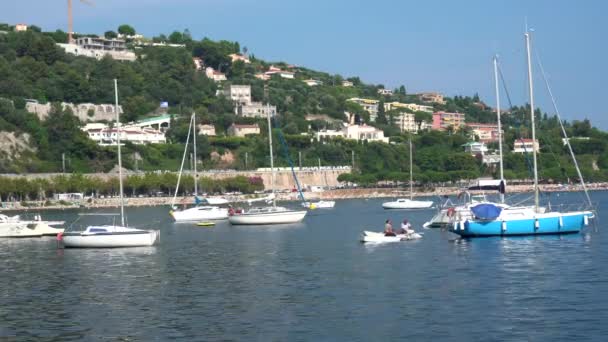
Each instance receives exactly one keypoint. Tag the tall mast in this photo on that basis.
(502, 176)
(194, 142)
(122, 205)
(271, 160)
(411, 171)
(536, 199)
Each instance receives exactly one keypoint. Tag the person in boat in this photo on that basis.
(388, 228)
(230, 210)
(406, 227)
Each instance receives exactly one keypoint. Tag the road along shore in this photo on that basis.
(291, 196)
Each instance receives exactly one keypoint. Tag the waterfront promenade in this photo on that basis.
(335, 194)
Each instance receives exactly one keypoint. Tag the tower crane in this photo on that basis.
(70, 18)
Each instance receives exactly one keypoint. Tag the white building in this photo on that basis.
(364, 132)
(347, 84)
(243, 130)
(237, 57)
(354, 132)
(371, 106)
(407, 122)
(328, 134)
(198, 63)
(313, 83)
(215, 75)
(525, 146)
(108, 136)
(20, 27)
(239, 94)
(383, 91)
(99, 47)
(475, 148)
(256, 110)
(490, 159)
(388, 106)
(206, 130)
(565, 141)
(277, 71)
(262, 77)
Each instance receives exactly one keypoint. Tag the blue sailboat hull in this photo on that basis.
(542, 224)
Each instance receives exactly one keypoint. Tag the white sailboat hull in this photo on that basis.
(200, 213)
(404, 203)
(112, 237)
(264, 218)
(319, 204)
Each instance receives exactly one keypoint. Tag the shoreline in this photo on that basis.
(353, 193)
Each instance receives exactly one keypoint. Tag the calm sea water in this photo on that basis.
(309, 282)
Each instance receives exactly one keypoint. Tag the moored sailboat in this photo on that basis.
(408, 203)
(111, 236)
(198, 212)
(271, 214)
(489, 219)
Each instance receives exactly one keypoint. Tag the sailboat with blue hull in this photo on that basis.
(495, 219)
(522, 221)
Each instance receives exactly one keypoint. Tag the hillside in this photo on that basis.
(33, 67)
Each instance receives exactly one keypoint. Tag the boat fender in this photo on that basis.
(455, 225)
(503, 226)
(463, 225)
(561, 222)
(586, 220)
(536, 224)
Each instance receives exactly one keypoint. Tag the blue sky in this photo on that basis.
(444, 46)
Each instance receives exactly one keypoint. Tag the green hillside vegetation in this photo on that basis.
(33, 67)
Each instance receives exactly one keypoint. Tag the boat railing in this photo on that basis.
(569, 207)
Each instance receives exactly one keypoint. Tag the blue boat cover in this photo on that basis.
(486, 211)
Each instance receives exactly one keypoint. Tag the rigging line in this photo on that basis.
(578, 170)
(181, 168)
(504, 85)
(293, 172)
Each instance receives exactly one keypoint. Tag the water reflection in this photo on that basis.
(309, 281)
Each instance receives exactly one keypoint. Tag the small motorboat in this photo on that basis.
(376, 237)
(406, 203)
(319, 204)
(14, 226)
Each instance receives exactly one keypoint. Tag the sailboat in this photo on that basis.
(490, 219)
(271, 214)
(447, 212)
(198, 212)
(111, 236)
(408, 203)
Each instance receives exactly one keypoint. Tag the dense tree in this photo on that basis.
(126, 30)
(110, 34)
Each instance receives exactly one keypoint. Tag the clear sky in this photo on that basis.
(430, 45)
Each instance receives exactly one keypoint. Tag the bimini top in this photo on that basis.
(489, 184)
(486, 211)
